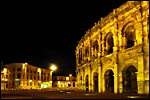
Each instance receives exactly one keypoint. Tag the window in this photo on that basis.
(19, 69)
(18, 83)
(30, 76)
(19, 75)
(38, 77)
(13, 75)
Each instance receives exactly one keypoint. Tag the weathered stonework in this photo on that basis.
(113, 56)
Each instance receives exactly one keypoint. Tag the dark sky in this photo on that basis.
(42, 33)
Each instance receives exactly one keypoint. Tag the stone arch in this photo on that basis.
(129, 77)
(81, 81)
(129, 34)
(87, 51)
(80, 55)
(108, 43)
(95, 48)
(95, 81)
(109, 81)
(87, 82)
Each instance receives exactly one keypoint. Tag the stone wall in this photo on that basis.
(117, 43)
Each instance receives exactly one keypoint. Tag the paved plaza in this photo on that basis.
(57, 93)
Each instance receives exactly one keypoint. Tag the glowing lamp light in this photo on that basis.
(39, 70)
(67, 78)
(5, 69)
(39, 81)
(53, 67)
(70, 75)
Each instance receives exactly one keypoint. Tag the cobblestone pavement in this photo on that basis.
(57, 93)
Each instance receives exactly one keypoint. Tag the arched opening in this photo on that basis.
(109, 43)
(81, 81)
(95, 48)
(130, 80)
(109, 81)
(87, 83)
(129, 33)
(87, 53)
(95, 79)
(80, 56)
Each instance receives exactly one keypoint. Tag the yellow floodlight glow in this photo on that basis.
(53, 67)
(5, 69)
(67, 78)
(39, 70)
(70, 75)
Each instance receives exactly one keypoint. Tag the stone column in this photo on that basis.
(145, 18)
(116, 78)
(115, 38)
(29, 78)
(25, 72)
(21, 76)
(124, 42)
(36, 79)
(89, 80)
(103, 83)
(99, 79)
(120, 82)
(140, 74)
(40, 78)
(92, 82)
(103, 48)
(138, 28)
(32, 78)
(120, 41)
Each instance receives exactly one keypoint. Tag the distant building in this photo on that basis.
(64, 81)
(25, 76)
(113, 56)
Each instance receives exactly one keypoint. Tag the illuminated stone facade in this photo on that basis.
(25, 76)
(113, 56)
(64, 81)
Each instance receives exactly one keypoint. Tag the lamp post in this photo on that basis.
(53, 68)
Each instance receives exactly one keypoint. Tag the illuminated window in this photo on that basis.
(18, 83)
(67, 78)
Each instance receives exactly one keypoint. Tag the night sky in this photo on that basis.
(44, 33)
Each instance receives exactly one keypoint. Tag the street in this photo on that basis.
(57, 93)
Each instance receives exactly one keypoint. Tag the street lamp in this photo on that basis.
(70, 75)
(53, 68)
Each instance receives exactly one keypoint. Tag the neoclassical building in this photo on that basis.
(25, 76)
(113, 56)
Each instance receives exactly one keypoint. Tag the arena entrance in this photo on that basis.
(130, 80)
(109, 81)
(87, 83)
(95, 79)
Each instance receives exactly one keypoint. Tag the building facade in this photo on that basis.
(64, 81)
(113, 56)
(25, 76)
